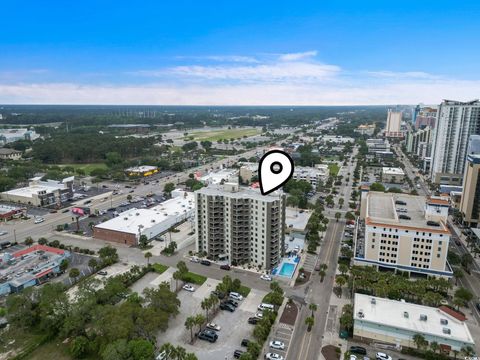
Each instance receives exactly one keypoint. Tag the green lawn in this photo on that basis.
(244, 290)
(193, 278)
(86, 167)
(216, 135)
(334, 169)
(159, 268)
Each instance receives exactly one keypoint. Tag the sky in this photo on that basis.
(239, 52)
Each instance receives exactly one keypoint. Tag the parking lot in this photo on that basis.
(228, 340)
(282, 333)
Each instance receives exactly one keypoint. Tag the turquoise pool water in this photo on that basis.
(287, 269)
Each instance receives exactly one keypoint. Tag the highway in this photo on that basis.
(21, 229)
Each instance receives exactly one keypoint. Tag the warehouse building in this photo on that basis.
(41, 193)
(393, 322)
(129, 225)
(141, 171)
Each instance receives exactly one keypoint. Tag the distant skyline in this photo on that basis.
(239, 53)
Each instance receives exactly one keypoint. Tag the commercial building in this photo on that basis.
(240, 226)
(377, 145)
(403, 232)
(336, 139)
(10, 154)
(470, 201)
(394, 123)
(456, 122)
(129, 225)
(41, 193)
(367, 129)
(392, 175)
(29, 267)
(311, 175)
(8, 212)
(12, 135)
(220, 176)
(394, 322)
(141, 171)
(426, 117)
(248, 171)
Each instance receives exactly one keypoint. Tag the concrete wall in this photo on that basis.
(115, 236)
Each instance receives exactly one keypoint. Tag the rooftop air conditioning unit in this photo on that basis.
(125, 218)
(446, 331)
(360, 314)
(373, 301)
(423, 317)
(443, 321)
(153, 220)
(405, 314)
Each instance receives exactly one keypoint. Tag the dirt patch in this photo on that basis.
(302, 277)
(289, 314)
(331, 352)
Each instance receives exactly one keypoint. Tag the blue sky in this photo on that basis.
(239, 52)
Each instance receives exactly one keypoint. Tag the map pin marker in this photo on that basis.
(274, 169)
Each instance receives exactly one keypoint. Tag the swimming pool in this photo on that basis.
(287, 269)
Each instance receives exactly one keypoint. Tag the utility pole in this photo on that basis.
(15, 235)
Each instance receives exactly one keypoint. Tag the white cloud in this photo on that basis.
(298, 56)
(222, 58)
(402, 75)
(334, 93)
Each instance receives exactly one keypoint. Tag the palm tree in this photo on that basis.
(206, 305)
(148, 255)
(313, 308)
(457, 273)
(467, 351)
(92, 263)
(343, 268)
(309, 321)
(74, 274)
(190, 324)
(29, 241)
(434, 346)
(322, 274)
(419, 341)
(199, 320)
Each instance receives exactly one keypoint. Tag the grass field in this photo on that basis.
(86, 167)
(244, 290)
(159, 268)
(195, 278)
(216, 135)
(334, 169)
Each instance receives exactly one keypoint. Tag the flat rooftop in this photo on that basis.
(382, 209)
(143, 168)
(242, 193)
(34, 189)
(148, 218)
(217, 176)
(392, 171)
(391, 313)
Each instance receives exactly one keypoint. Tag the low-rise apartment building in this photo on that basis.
(239, 225)
(403, 232)
(311, 175)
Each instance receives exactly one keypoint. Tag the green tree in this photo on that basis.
(148, 255)
(190, 323)
(141, 349)
(338, 215)
(143, 241)
(420, 341)
(74, 274)
(42, 241)
(168, 188)
(117, 350)
(79, 347)
(92, 264)
(377, 187)
(28, 241)
(309, 321)
(463, 295)
(63, 265)
(313, 308)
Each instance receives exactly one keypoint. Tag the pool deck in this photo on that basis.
(291, 260)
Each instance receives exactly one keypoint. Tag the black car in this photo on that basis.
(252, 320)
(205, 262)
(232, 302)
(227, 306)
(358, 350)
(225, 267)
(477, 305)
(208, 335)
(65, 210)
(218, 294)
(245, 342)
(237, 354)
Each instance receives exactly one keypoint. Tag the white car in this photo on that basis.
(213, 326)
(266, 277)
(236, 296)
(353, 357)
(383, 356)
(188, 287)
(194, 259)
(259, 315)
(275, 344)
(273, 356)
(39, 220)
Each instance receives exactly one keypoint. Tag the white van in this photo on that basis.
(265, 306)
(236, 296)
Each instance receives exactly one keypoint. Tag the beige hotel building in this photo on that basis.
(403, 232)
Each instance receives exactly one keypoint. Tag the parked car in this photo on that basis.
(232, 302)
(213, 326)
(266, 277)
(245, 342)
(358, 350)
(273, 356)
(39, 220)
(2, 233)
(276, 344)
(236, 296)
(225, 267)
(188, 287)
(353, 357)
(259, 315)
(194, 259)
(53, 211)
(102, 272)
(252, 320)
(383, 356)
(205, 262)
(237, 354)
(65, 211)
(208, 335)
(227, 306)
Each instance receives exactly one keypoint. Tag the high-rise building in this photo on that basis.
(419, 142)
(394, 122)
(470, 201)
(426, 117)
(239, 225)
(403, 232)
(456, 121)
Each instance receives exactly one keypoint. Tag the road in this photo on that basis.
(307, 345)
(19, 230)
(411, 172)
